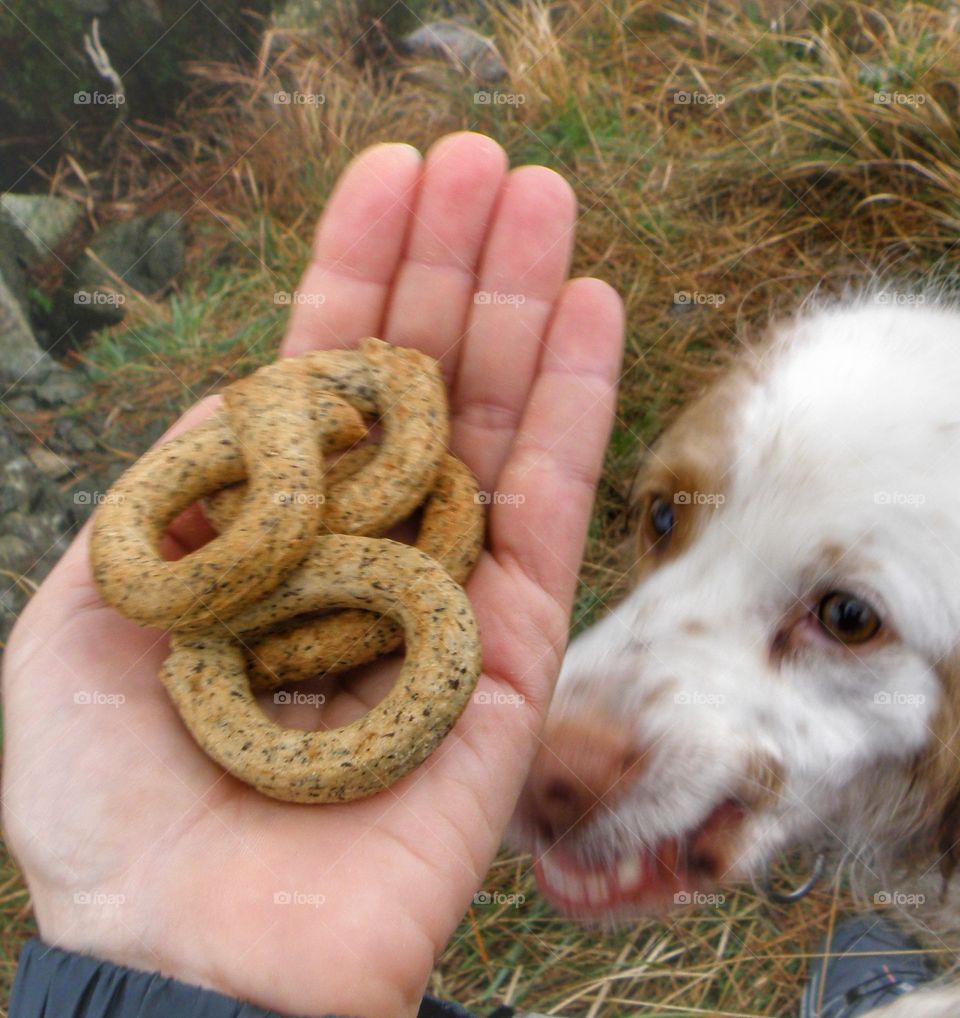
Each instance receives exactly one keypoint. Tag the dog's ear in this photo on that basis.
(937, 771)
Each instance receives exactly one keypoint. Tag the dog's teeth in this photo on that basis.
(596, 889)
(570, 886)
(550, 869)
(628, 871)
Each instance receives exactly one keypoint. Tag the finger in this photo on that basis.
(524, 265)
(356, 251)
(547, 487)
(433, 293)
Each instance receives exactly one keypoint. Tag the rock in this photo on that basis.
(18, 486)
(38, 517)
(75, 435)
(459, 45)
(9, 445)
(44, 533)
(21, 403)
(49, 463)
(60, 387)
(31, 228)
(12, 600)
(15, 555)
(146, 252)
(43, 221)
(20, 356)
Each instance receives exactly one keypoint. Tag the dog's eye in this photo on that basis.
(661, 517)
(847, 618)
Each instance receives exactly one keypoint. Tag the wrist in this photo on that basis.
(316, 974)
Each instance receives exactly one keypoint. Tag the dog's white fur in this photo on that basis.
(830, 459)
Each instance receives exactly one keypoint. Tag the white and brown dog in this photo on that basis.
(786, 668)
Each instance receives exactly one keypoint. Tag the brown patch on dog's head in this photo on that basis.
(687, 468)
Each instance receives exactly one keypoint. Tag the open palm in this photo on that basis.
(136, 847)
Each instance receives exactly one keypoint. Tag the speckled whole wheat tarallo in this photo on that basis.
(206, 676)
(249, 584)
(451, 531)
(271, 432)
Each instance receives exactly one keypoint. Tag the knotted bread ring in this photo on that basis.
(290, 521)
(206, 676)
(273, 433)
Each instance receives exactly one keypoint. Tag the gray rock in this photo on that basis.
(43, 221)
(20, 356)
(60, 387)
(12, 600)
(16, 555)
(49, 463)
(44, 533)
(460, 45)
(75, 435)
(18, 486)
(146, 252)
(9, 445)
(21, 403)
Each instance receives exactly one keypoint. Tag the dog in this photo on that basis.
(785, 669)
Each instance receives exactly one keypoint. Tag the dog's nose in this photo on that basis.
(582, 763)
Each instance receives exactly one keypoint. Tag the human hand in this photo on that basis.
(140, 850)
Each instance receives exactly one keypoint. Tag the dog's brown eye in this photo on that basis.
(661, 517)
(847, 618)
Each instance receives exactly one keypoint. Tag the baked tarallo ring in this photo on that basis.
(283, 457)
(451, 531)
(224, 506)
(206, 677)
(273, 432)
(404, 390)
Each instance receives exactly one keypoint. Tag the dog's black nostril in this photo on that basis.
(559, 791)
(702, 862)
(546, 831)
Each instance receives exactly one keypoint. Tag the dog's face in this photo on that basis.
(780, 663)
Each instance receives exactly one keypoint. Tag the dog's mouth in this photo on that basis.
(649, 879)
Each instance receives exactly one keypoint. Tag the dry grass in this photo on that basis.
(828, 152)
